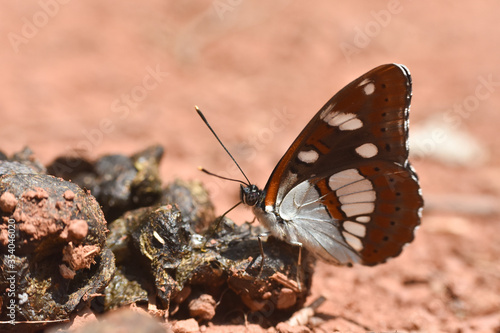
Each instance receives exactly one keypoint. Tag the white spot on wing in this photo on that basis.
(344, 121)
(309, 156)
(351, 125)
(354, 242)
(358, 208)
(340, 118)
(359, 186)
(343, 178)
(329, 116)
(367, 196)
(367, 150)
(354, 228)
(369, 88)
(363, 219)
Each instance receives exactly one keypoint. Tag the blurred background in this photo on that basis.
(91, 78)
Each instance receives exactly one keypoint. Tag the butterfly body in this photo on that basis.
(344, 189)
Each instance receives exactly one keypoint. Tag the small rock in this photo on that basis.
(202, 307)
(286, 299)
(8, 202)
(69, 195)
(186, 326)
(78, 229)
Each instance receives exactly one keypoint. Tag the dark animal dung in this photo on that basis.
(52, 236)
(62, 255)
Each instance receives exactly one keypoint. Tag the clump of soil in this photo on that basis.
(52, 234)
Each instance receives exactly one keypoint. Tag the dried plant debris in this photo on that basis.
(168, 258)
(120, 183)
(52, 236)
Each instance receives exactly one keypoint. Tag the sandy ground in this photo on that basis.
(92, 78)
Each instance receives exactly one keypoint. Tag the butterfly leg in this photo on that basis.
(211, 233)
(261, 248)
(299, 264)
(261, 255)
(251, 222)
(216, 227)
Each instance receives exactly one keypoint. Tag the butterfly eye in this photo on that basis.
(250, 194)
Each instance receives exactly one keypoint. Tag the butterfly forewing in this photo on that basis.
(354, 154)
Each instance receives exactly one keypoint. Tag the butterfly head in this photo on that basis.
(250, 194)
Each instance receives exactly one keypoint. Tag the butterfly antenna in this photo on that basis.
(202, 169)
(227, 151)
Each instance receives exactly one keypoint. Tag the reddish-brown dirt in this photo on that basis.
(87, 77)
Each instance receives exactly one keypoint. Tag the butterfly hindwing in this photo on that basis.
(376, 207)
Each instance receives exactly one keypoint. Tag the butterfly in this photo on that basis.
(345, 189)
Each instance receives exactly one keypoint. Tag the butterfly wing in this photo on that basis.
(345, 188)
